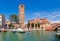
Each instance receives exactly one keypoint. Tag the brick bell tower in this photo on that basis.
(21, 15)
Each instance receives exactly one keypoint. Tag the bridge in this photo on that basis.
(56, 26)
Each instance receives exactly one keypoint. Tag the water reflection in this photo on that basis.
(4, 36)
(29, 36)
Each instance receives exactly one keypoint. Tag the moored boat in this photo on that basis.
(20, 30)
(57, 35)
(4, 30)
(13, 30)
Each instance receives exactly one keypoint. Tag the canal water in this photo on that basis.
(29, 36)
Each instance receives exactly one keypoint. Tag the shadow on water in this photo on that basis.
(21, 36)
(57, 38)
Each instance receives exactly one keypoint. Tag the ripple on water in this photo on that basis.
(29, 36)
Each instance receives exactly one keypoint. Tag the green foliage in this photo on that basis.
(13, 18)
(28, 25)
(10, 26)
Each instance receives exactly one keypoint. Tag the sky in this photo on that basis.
(49, 9)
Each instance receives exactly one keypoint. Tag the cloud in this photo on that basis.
(36, 14)
(25, 23)
(57, 15)
(53, 15)
(57, 21)
(49, 15)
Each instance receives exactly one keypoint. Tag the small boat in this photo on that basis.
(58, 35)
(20, 30)
(13, 30)
(4, 30)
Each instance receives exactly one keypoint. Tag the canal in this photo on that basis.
(29, 36)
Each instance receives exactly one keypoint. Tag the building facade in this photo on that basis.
(21, 15)
(39, 23)
(2, 21)
(7, 23)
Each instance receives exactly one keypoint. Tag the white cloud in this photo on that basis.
(53, 15)
(50, 15)
(57, 21)
(57, 15)
(25, 23)
(37, 14)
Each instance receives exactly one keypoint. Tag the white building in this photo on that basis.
(2, 21)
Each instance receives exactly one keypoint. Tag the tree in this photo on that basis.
(10, 25)
(28, 25)
(13, 18)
